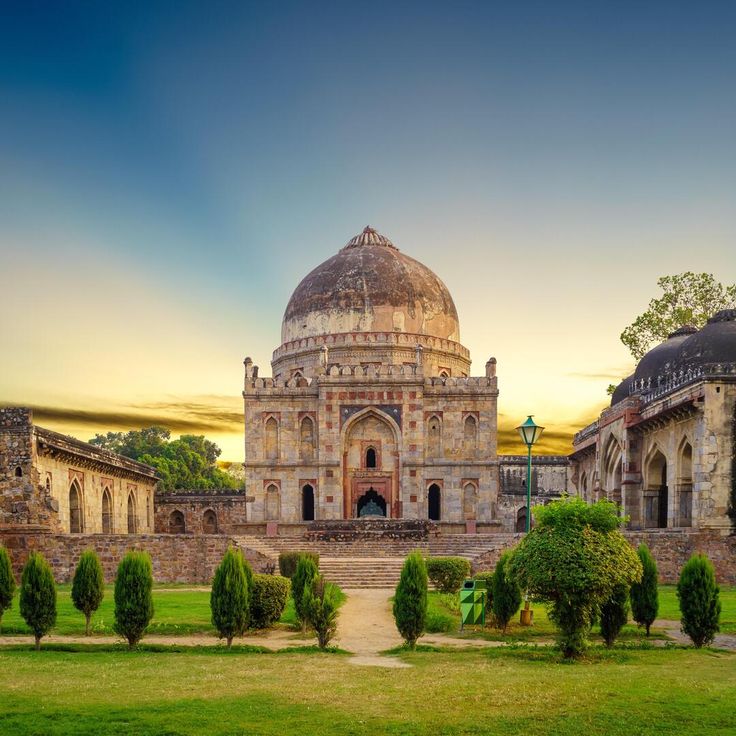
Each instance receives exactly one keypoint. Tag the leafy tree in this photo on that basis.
(410, 600)
(506, 593)
(188, 462)
(448, 573)
(688, 299)
(645, 594)
(700, 604)
(88, 586)
(229, 599)
(574, 558)
(7, 582)
(304, 576)
(38, 596)
(133, 597)
(321, 603)
(614, 614)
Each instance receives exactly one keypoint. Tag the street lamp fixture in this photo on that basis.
(530, 433)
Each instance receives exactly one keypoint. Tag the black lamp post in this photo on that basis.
(530, 433)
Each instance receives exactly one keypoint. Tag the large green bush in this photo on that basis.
(38, 596)
(268, 597)
(304, 576)
(614, 614)
(574, 558)
(7, 582)
(448, 573)
(506, 593)
(645, 594)
(321, 603)
(700, 604)
(133, 597)
(289, 560)
(410, 601)
(88, 586)
(229, 597)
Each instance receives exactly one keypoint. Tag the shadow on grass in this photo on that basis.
(205, 649)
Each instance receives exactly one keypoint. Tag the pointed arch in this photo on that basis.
(272, 503)
(271, 438)
(434, 502)
(656, 494)
(177, 523)
(612, 469)
(106, 511)
(76, 509)
(470, 435)
(685, 483)
(470, 500)
(209, 522)
(132, 513)
(306, 438)
(307, 502)
(434, 436)
(370, 458)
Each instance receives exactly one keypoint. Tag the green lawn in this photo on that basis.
(625, 692)
(444, 616)
(177, 610)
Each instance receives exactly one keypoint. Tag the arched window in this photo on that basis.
(470, 435)
(307, 502)
(209, 522)
(132, 516)
(685, 486)
(444, 374)
(273, 503)
(370, 457)
(470, 498)
(306, 439)
(656, 496)
(521, 520)
(48, 483)
(19, 472)
(434, 503)
(434, 436)
(271, 439)
(177, 525)
(76, 517)
(106, 511)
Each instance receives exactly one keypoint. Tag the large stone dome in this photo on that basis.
(715, 343)
(370, 286)
(664, 358)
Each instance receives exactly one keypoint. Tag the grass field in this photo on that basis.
(177, 611)
(625, 692)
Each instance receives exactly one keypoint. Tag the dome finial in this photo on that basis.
(370, 236)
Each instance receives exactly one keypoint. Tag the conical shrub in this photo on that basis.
(229, 599)
(133, 596)
(304, 576)
(645, 595)
(700, 605)
(410, 601)
(506, 593)
(88, 586)
(38, 596)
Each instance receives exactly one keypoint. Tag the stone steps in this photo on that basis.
(362, 572)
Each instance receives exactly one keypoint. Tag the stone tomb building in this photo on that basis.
(371, 410)
(666, 447)
(55, 482)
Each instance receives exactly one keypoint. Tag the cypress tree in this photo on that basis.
(321, 602)
(133, 596)
(229, 599)
(88, 586)
(506, 593)
(304, 575)
(645, 595)
(614, 614)
(7, 582)
(38, 596)
(699, 601)
(410, 601)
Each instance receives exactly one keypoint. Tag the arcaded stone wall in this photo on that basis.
(202, 513)
(176, 559)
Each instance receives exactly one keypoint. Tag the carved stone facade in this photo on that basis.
(51, 481)
(371, 409)
(666, 448)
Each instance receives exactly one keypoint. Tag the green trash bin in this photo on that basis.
(473, 603)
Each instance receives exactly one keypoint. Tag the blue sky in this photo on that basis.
(169, 172)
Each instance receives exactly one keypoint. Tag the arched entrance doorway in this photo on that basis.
(521, 520)
(657, 493)
(307, 502)
(434, 504)
(371, 503)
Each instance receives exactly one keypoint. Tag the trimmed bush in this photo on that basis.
(38, 596)
(410, 601)
(289, 560)
(268, 597)
(321, 602)
(229, 599)
(7, 582)
(574, 558)
(304, 576)
(614, 614)
(448, 573)
(645, 595)
(133, 598)
(700, 605)
(506, 593)
(487, 577)
(88, 586)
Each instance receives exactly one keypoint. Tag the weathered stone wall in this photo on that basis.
(176, 558)
(199, 511)
(671, 550)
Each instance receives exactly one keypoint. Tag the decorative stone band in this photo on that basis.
(586, 433)
(651, 390)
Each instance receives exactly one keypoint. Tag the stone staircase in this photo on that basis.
(374, 561)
